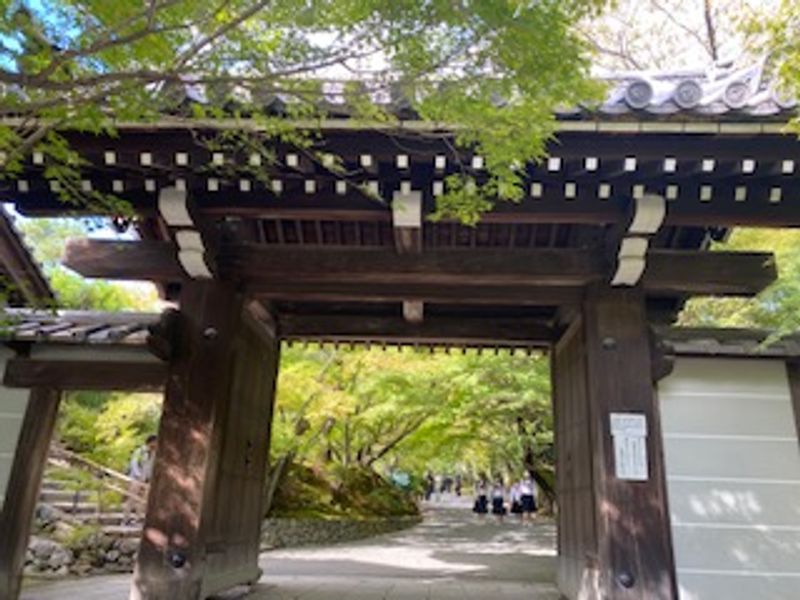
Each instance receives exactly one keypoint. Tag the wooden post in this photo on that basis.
(793, 372)
(615, 532)
(30, 459)
(203, 520)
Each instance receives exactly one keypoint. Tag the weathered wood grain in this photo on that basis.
(30, 458)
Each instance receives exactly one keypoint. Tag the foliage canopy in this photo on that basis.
(496, 68)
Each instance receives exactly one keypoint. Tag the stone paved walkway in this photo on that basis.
(451, 555)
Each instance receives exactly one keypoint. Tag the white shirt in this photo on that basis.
(141, 466)
(526, 487)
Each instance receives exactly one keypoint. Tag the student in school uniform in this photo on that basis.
(481, 498)
(527, 496)
(499, 499)
(514, 499)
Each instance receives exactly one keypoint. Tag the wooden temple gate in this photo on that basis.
(612, 238)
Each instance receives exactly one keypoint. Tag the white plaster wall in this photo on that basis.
(13, 404)
(733, 476)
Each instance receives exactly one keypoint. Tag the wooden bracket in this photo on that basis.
(649, 212)
(662, 357)
(162, 338)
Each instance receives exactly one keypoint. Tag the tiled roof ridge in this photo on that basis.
(748, 89)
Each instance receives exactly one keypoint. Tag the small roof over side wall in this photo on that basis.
(82, 328)
(731, 343)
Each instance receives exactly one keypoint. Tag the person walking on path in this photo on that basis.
(430, 486)
(515, 500)
(499, 499)
(481, 498)
(140, 470)
(527, 495)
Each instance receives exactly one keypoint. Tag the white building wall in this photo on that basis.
(13, 404)
(733, 476)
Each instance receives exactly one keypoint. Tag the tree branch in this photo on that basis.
(711, 30)
(197, 48)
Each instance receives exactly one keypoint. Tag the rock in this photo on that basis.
(128, 547)
(45, 513)
(112, 556)
(43, 548)
(62, 571)
(60, 557)
(82, 568)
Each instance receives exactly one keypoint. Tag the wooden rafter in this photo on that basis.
(434, 330)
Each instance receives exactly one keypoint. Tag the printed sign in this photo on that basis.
(629, 432)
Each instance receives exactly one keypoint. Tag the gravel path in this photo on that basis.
(450, 555)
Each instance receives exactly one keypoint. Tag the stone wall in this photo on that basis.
(102, 553)
(90, 555)
(290, 533)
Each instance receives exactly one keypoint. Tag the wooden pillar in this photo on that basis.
(793, 371)
(615, 532)
(204, 512)
(24, 482)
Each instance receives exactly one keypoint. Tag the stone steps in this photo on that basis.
(78, 507)
(51, 496)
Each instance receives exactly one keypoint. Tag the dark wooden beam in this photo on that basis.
(22, 493)
(543, 267)
(27, 284)
(610, 148)
(708, 273)
(428, 293)
(270, 264)
(522, 331)
(152, 261)
(278, 272)
(85, 375)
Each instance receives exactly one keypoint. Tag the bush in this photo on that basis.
(108, 427)
(365, 493)
(310, 493)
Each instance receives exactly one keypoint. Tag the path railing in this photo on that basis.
(103, 480)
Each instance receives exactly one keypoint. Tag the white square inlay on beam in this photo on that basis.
(407, 209)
